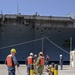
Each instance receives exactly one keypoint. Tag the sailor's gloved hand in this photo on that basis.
(18, 65)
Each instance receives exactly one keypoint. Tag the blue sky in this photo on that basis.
(43, 7)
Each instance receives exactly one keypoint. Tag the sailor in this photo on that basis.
(29, 62)
(35, 59)
(40, 63)
(47, 60)
(61, 61)
(11, 62)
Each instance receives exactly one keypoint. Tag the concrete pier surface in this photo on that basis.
(22, 70)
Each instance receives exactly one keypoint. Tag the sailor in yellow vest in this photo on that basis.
(11, 62)
(40, 63)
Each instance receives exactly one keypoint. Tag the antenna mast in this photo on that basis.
(17, 7)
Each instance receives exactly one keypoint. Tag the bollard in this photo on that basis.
(55, 69)
(52, 69)
(32, 70)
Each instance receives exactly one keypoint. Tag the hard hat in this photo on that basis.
(13, 50)
(31, 53)
(60, 55)
(41, 53)
(35, 55)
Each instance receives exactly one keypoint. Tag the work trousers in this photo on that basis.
(61, 65)
(28, 69)
(12, 72)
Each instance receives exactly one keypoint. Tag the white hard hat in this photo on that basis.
(60, 55)
(35, 55)
(31, 53)
(41, 53)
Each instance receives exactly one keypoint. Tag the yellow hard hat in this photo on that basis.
(13, 50)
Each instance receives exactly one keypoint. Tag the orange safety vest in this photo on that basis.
(29, 59)
(9, 61)
(42, 61)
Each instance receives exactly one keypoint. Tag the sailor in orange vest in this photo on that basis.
(29, 62)
(40, 64)
(11, 62)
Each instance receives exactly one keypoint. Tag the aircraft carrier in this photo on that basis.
(54, 35)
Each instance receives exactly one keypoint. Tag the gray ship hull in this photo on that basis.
(34, 38)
